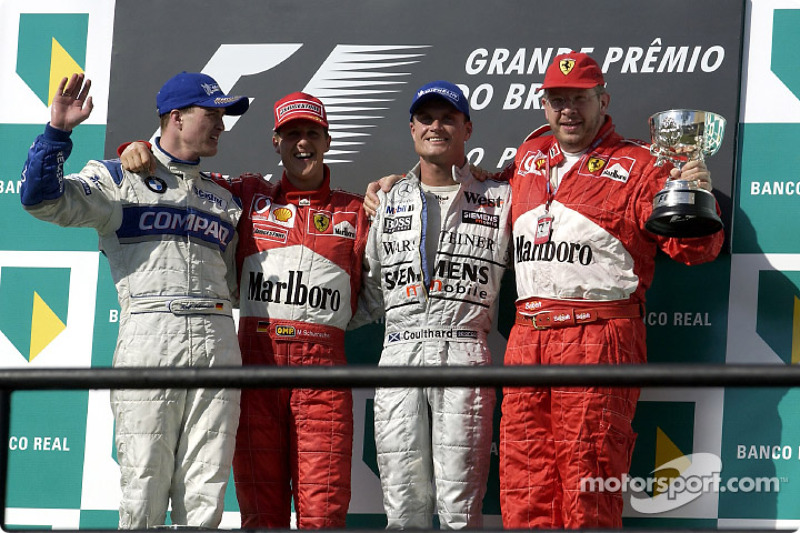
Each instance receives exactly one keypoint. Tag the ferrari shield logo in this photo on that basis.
(566, 66)
(594, 164)
(321, 222)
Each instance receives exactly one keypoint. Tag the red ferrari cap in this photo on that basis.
(573, 70)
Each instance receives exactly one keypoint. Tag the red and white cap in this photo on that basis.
(297, 106)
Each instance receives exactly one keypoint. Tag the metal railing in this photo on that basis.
(355, 376)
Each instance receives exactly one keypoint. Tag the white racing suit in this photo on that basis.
(441, 318)
(170, 240)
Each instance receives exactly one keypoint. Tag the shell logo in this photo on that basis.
(282, 214)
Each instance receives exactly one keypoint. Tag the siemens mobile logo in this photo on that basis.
(481, 219)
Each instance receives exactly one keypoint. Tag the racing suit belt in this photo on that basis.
(186, 305)
(560, 314)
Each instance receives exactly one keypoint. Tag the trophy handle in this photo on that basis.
(663, 155)
(660, 155)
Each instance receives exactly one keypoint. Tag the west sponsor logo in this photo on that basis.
(483, 201)
(292, 292)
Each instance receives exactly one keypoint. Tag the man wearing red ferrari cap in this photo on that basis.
(299, 261)
(583, 262)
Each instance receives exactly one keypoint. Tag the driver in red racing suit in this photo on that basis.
(300, 256)
(583, 261)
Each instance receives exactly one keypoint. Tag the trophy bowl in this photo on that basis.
(682, 208)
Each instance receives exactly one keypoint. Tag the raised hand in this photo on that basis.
(72, 103)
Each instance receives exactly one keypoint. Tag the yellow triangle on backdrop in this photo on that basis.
(45, 326)
(796, 332)
(61, 66)
(667, 451)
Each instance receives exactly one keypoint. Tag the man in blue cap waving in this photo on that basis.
(170, 239)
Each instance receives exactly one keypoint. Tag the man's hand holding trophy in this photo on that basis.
(683, 208)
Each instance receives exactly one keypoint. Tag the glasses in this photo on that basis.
(557, 103)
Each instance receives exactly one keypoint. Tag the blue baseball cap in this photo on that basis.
(197, 89)
(449, 92)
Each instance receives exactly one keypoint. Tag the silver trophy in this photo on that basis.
(682, 208)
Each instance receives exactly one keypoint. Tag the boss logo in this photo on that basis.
(392, 225)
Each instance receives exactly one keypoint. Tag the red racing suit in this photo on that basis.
(580, 299)
(299, 261)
